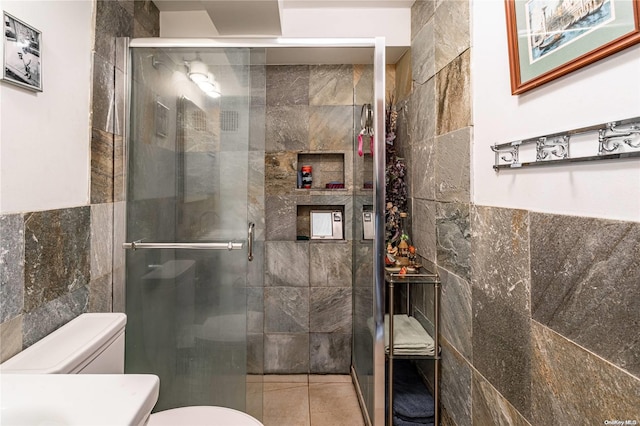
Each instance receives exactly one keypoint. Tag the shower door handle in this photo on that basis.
(231, 245)
(250, 241)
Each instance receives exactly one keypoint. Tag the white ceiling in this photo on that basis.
(178, 5)
(262, 17)
(183, 5)
(265, 18)
(247, 17)
(233, 17)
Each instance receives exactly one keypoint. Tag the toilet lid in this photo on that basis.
(202, 416)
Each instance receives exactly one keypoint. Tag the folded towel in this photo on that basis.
(416, 421)
(411, 398)
(421, 420)
(400, 422)
(409, 337)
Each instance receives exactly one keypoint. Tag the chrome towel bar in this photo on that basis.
(190, 246)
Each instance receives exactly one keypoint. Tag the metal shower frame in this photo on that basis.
(378, 46)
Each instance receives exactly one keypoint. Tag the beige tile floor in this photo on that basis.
(310, 400)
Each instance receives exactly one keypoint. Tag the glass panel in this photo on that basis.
(188, 181)
(363, 252)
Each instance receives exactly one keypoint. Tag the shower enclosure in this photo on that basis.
(195, 228)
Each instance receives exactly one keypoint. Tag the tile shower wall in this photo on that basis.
(539, 311)
(307, 293)
(114, 19)
(57, 264)
(256, 203)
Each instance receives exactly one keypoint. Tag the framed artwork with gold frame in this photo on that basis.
(551, 38)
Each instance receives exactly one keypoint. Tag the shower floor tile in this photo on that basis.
(318, 400)
(286, 404)
(286, 378)
(329, 378)
(334, 404)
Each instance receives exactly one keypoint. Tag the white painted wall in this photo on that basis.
(45, 137)
(605, 91)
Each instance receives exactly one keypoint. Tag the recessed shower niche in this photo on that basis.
(327, 170)
(335, 226)
(365, 179)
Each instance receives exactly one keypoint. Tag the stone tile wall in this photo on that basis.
(308, 294)
(539, 311)
(256, 202)
(57, 264)
(435, 134)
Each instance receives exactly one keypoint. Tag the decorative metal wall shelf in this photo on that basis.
(619, 139)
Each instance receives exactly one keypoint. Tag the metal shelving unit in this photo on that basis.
(426, 276)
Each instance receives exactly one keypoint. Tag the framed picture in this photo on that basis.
(550, 38)
(22, 63)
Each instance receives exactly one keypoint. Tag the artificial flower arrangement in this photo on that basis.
(400, 252)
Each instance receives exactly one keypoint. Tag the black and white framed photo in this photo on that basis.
(22, 61)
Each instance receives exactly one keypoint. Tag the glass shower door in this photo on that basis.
(187, 217)
(368, 358)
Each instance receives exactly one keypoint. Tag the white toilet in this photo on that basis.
(94, 344)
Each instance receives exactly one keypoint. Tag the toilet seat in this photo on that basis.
(202, 416)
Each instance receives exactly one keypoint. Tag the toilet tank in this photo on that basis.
(89, 344)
